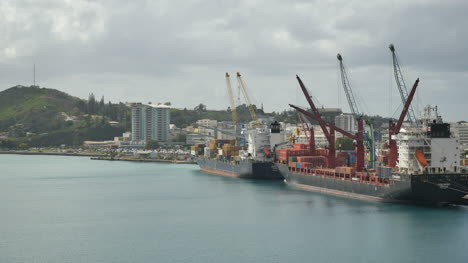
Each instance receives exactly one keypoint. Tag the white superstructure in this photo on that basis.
(441, 150)
(261, 141)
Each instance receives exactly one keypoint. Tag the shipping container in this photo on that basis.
(384, 172)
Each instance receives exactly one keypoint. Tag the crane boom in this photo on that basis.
(247, 98)
(314, 110)
(354, 107)
(231, 101)
(347, 88)
(394, 129)
(317, 118)
(358, 137)
(329, 134)
(406, 107)
(401, 85)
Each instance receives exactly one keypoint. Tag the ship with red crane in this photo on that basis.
(421, 162)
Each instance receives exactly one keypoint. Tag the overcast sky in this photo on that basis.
(179, 51)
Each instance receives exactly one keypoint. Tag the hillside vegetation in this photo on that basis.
(35, 116)
(37, 109)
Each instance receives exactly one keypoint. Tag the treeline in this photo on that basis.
(115, 112)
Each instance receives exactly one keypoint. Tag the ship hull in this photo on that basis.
(424, 188)
(242, 169)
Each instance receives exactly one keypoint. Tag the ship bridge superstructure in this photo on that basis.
(430, 148)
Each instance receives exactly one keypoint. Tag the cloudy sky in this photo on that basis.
(178, 51)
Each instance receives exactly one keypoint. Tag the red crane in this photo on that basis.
(394, 129)
(330, 135)
(359, 138)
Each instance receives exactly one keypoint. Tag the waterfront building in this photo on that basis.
(150, 122)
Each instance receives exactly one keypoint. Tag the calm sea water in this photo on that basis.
(73, 209)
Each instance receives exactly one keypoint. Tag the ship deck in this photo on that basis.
(361, 177)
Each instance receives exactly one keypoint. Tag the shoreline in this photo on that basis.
(105, 158)
(97, 156)
(51, 153)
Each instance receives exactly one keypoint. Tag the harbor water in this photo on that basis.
(73, 209)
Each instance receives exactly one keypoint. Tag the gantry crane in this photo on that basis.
(402, 86)
(231, 101)
(355, 110)
(247, 99)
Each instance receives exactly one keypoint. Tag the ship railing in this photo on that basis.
(328, 173)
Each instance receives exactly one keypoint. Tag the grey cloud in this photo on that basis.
(179, 50)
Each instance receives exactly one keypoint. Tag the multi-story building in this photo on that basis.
(346, 122)
(226, 130)
(207, 127)
(150, 122)
(195, 138)
(460, 130)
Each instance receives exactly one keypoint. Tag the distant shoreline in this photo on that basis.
(51, 153)
(96, 156)
(105, 158)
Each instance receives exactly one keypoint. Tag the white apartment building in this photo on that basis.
(150, 122)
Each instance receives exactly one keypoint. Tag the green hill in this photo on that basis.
(35, 116)
(37, 109)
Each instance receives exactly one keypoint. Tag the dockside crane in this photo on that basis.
(402, 86)
(347, 88)
(330, 135)
(247, 99)
(232, 103)
(358, 115)
(394, 128)
(357, 137)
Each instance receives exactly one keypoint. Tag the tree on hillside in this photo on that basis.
(81, 105)
(200, 108)
(101, 105)
(91, 104)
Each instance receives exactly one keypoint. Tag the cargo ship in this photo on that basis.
(427, 168)
(253, 160)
